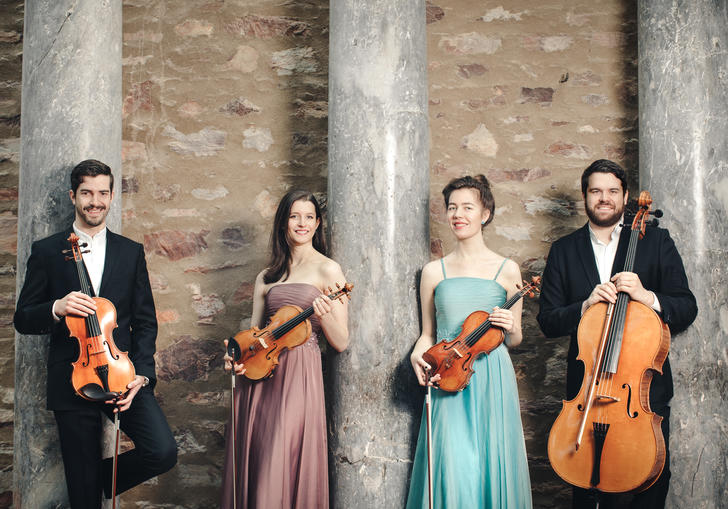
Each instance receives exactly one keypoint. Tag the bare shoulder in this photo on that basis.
(510, 274)
(330, 270)
(431, 274)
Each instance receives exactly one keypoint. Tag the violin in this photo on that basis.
(101, 372)
(453, 360)
(607, 438)
(258, 349)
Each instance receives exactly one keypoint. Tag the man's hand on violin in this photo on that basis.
(123, 405)
(502, 318)
(239, 368)
(75, 303)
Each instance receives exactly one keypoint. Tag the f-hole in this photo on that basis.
(629, 401)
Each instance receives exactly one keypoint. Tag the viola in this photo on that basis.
(101, 372)
(453, 360)
(607, 438)
(258, 349)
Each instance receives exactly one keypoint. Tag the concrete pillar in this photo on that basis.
(378, 215)
(683, 104)
(71, 110)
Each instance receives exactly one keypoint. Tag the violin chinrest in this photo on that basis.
(94, 392)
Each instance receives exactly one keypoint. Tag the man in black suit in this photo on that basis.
(585, 267)
(117, 271)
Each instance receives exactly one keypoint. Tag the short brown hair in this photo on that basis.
(477, 182)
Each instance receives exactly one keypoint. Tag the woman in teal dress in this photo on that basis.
(479, 455)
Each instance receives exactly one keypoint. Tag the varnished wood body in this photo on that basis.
(455, 370)
(634, 449)
(260, 362)
(99, 351)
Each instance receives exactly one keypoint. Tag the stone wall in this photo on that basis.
(529, 93)
(225, 108)
(11, 36)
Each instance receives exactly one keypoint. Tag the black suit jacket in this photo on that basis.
(125, 282)
(571, 274)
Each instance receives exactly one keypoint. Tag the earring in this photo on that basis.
(482, 223)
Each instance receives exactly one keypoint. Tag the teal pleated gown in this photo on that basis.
(479, 454)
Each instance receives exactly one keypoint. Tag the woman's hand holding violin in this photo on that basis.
(421, 368)
(239, 368)
(322, 306)
(502, 318)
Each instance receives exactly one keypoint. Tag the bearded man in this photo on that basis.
(117, 271)
(585, 267)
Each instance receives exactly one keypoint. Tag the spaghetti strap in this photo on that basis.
(497, 273)
(442, 262)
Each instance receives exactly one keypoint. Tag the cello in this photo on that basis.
(607, 438)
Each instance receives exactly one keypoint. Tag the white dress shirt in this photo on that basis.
(94, 259)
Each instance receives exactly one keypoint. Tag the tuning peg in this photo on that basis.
(656, 213)
(66, 251)
(87, 251)
(84, 244)
(68, 258)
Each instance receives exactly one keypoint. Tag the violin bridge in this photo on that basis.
(610, 399)
(457, 353)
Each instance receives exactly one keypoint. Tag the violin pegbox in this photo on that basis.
(341, 292)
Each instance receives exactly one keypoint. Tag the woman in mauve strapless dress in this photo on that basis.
(280, 443)
(479, 454)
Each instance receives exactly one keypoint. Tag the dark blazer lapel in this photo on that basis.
(110, 261)
(620, 257)
(586, 255)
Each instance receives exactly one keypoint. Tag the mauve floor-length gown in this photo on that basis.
(280, 441)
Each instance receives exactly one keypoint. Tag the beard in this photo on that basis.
(89, 220)
(607, 221)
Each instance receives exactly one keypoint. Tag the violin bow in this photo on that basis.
(115, 461)
(232, 430)
(428, 411)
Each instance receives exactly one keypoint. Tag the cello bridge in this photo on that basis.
(610, 399)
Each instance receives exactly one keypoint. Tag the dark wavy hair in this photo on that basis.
(90, 168)
(604, 166)
(480, 184)
(280, 251)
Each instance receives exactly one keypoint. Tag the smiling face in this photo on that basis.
(302, 222)
(604, 200)
(466, 213)
(91, 200)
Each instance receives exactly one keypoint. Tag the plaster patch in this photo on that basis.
(481, 141)
(516, 233)
(206, 142)
(210, 194)
(258, 138)
(470, 44)
(499, 13)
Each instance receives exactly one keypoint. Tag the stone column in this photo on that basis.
(71, 110)
(683, 103)
(378, 216)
